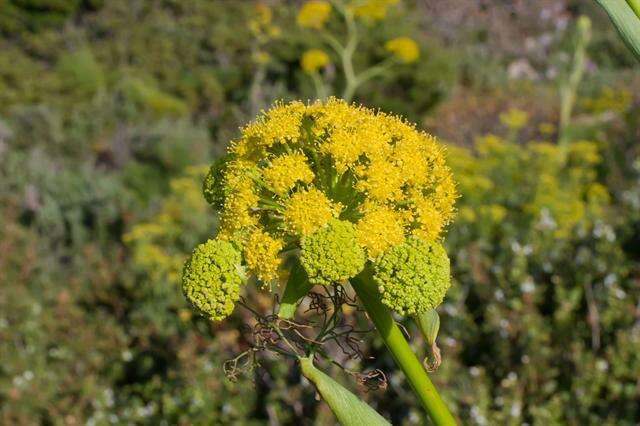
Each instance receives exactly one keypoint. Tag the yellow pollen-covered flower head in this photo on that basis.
(338, 185)
(212, 277)
(307, 210)
(286, 170)
(261, 255)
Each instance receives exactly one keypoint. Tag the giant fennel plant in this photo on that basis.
(330, 198)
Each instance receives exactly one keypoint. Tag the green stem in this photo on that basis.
(400, 349)
(375, 71)
(569, 89)
(351, 81)
(318, 84)
(635, 6)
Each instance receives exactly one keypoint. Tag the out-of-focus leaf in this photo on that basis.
(625, 21)
(635, 5)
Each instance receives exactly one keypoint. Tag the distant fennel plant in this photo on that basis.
(314, 16)
(338, 197)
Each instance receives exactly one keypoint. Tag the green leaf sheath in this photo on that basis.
(635, 5)
(625, 20)
(346, 406)
(297, 286)
(400, 349)
(429, 325)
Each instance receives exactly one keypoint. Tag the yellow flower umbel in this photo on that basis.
(313, 59)
(403, 48)
(261, 255)
(285, 170)
(338, 185)
(313, 14)
(374, 10)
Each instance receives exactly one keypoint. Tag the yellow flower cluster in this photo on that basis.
(403, 48)
(514, 118)
(380, 229)
(285, 171)
(374, 10)
(313, 59)
(314, 14)
(307, 210)
(261, 255)
(298, 167)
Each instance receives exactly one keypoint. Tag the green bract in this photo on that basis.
(413, 277)
(211, 279)
(332, 253)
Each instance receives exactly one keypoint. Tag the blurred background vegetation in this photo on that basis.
(111, 111)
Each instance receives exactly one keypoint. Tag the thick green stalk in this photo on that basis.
(635, 6)
(400, 349)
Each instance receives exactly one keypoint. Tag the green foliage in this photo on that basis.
(34, 15)
(80, 72)
(547, 284)
(148, 97)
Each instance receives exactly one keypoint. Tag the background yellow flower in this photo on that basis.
(313, 59)
(403, 48)
(314, 14)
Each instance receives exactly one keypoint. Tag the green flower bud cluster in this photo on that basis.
(212, 277)
(413, 277)
(212, 188)
(332, 254)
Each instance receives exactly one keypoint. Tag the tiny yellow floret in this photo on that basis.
(429, 220)
(381, 180)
